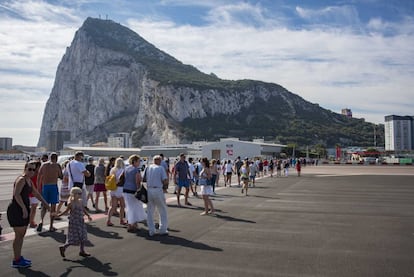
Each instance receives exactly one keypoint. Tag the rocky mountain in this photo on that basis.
(112, 80)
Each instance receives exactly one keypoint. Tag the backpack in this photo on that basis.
(110, 182)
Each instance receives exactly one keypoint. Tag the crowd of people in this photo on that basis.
(79, 182)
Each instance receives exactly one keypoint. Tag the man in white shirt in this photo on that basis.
(77, 171)
(157, 184)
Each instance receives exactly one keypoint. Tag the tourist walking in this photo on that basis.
(229, 172)
(298, 167)
(89, 182)
(77, 173)
(214, 174)
(18, 212)
(134, 208)
(278, 168)
(192, 170)
(64, 192)
(77, 233)
(117, 195)
(48, 176)
(206, 188)
(286, 167)
(244, 173)
(99, 185)
(181, 170)
(252, 174)
(157, 184)
(237, 165)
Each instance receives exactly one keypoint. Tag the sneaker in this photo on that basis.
(39, 227)
(21, 263)
(163, 233)
(151, 233)
(27, 260)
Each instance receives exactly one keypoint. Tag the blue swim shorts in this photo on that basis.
(50, 193)
(183, 183)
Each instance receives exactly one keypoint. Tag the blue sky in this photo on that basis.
(339, 54)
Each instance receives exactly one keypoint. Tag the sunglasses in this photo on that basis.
(31, 169)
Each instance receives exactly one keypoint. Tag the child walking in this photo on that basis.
(77, 234)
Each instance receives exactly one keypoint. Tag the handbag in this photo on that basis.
(144, 175)
(142, 194)
(110, 182)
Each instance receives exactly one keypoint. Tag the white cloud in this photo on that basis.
(337, 67)
(333, 67)
(332, 15)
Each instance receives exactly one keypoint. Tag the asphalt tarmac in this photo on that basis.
(331, 221)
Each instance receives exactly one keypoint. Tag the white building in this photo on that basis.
(399, 133)
(6, 143)
(231, 148)
(119, 140)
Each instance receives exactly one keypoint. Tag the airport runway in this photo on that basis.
(332, 221)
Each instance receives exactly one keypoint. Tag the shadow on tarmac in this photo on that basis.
(230, 218)
(29, 272)
(57, 236)
(93, 264)
(96, 231)
(173, 240)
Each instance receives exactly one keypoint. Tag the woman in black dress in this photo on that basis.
(19, 209)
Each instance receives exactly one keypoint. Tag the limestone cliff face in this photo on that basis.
(98, 91)
(112, 80)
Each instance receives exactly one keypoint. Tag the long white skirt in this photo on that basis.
(135, 211)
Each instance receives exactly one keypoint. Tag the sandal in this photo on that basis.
(109, 223)
(123, 222)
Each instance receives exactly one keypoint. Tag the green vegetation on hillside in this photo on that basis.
(285, 121)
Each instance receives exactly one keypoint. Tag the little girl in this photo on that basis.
(77, 234)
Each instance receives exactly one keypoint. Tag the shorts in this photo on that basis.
(183, 183)
(15, 215)
(206, 190)
(64, 197)
(34, 200)
(50, 193)
(64, 193)
(252, 177)
(118, 193)
(229, 173)
(99, 187)
(89, 188)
